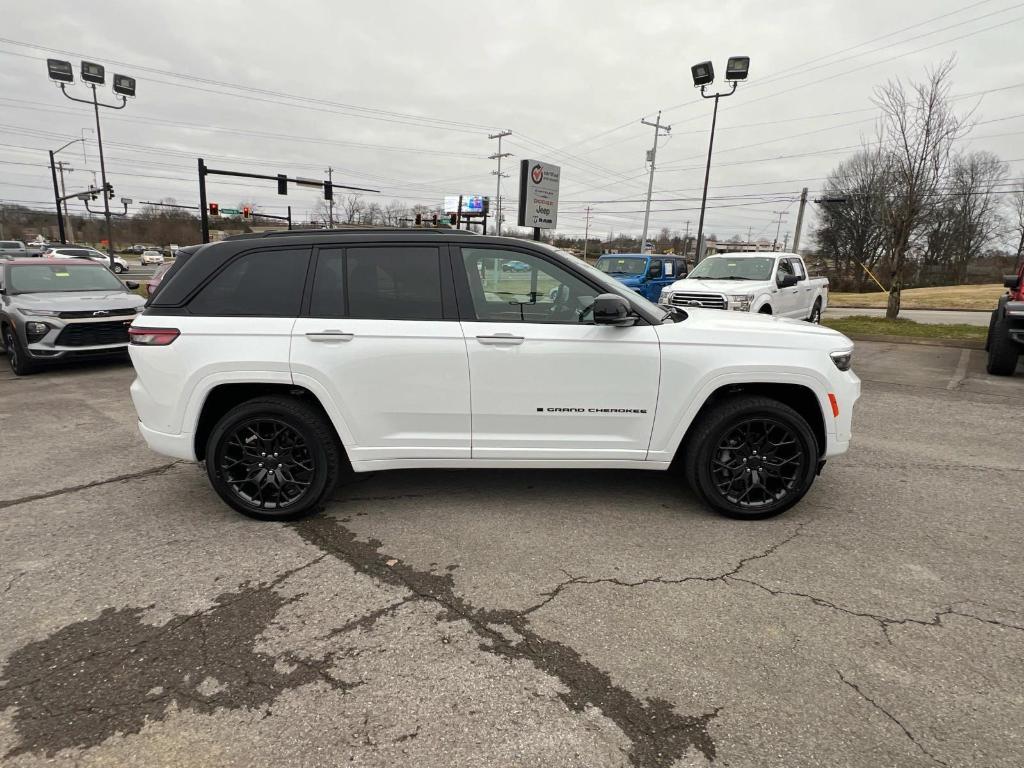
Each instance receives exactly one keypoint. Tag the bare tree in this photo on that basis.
(320, 216)
(1017, 218)
(917, 132)
(973, 182)
(352, 205)
(373, 214)
(394, 211)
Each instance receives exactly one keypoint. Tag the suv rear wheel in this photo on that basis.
(751, 457)
(273, 458)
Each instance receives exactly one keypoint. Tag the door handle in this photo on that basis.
(506, 339)
(329, 335)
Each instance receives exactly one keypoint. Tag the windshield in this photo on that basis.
(726, 268)
(45, 278)
(622, 265)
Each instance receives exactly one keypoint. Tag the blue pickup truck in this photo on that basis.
(645, 273)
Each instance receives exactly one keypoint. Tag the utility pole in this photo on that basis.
(497, 156)
(778, 229)
(800, 221)
(686, 239)
(330, 208)
(586, 234)
(651, 156)
(64, 196)
(57, 200)
(785, 242)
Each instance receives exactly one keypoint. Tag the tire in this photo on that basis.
(317, 461)
(765, 310)
(118, 269)
(815, 316)
(17, 357)
(1002, 350)
(716, 456)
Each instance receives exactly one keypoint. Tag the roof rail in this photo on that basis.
(350, 230)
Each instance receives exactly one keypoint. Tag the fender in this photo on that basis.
(202, 388)
(665, 443)
(760, 301)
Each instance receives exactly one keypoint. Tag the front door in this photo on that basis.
(381, 337)
(787, 300)
(546, 382)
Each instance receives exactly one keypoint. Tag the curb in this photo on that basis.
(911, 309)
(958, 343)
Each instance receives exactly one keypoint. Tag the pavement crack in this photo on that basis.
(659, 735)
(891, 717)
(4, 503)
(369, 619)
(12, 582)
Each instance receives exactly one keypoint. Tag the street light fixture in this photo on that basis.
(736, 69)
(94, 74)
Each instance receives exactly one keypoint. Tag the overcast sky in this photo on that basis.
(400, 96)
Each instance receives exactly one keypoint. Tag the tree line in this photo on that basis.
(914, 206)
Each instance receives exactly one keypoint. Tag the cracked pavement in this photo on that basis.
(526, 618)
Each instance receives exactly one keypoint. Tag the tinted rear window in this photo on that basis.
(394, 283)
(258, 284)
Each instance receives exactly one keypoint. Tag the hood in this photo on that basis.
(699, 285)
(67, 301)
(749, 329)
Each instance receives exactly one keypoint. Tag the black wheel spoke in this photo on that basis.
(267, 464)
(758, 462)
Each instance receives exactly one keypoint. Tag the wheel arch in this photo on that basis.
(800, 397)
(223, 397)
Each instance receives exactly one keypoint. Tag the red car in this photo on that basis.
(154, 282)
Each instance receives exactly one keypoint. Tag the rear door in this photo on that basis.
(547, 383)
(380, 337)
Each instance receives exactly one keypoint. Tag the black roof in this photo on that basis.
(349, 230)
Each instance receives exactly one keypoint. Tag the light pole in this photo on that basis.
(124, 86)
(736, 69)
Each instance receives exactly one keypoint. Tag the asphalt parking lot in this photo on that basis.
(527, 618)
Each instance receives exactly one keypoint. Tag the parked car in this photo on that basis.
(645, 273)
(53, 310)
(515, 266)
(81, 252)
(13, 249)
(154, 282)
(138, 248)
(766, 283)
(1005, 342)
(287, 360)
(151, 257)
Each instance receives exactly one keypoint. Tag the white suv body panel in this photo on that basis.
(393, 388)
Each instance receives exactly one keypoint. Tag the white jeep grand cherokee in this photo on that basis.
(286, 361)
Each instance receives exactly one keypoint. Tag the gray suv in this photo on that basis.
(13, 249)
(59, 309)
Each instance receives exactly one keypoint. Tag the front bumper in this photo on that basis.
(66, 339)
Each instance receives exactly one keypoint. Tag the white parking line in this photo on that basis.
(961, 370)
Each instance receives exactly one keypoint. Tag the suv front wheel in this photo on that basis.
(751, 457)
(273, 458)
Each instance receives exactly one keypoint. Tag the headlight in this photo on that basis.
(842, 360)
(35, 331)
(666, 296)
(39, 312)
(741, 302)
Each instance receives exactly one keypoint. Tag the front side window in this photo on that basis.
(46, 278)
(798, 269)
(785, 268)
(508, 286)
(328, 297)
(257, 284)
(393, 283)
(670, 268)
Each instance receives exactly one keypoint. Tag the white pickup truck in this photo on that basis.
(768, 283)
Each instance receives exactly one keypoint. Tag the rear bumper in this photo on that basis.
(177, 446)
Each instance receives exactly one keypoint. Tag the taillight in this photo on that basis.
(152, 337)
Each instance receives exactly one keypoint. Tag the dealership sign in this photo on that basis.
(538, 194)
(472, 205)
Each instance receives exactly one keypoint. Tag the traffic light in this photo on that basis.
(452, 218)
(419, 219)
(282, 184)
(328, 190)
(214, 209)
(110, 191)
(246, 211)
(435, 219)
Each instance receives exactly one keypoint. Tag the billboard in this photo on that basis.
(472, 205)
(538, 194)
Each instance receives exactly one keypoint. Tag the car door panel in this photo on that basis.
(543, 384)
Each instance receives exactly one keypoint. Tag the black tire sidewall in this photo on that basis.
(21, 365)
(721, 421)
(302, 420)
(1003, 352)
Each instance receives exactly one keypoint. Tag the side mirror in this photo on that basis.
(611, 309)
(787, 280)
(1011, 281)
(131, 285)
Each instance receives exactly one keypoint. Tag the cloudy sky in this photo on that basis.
(401, 96)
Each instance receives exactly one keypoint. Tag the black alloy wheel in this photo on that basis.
(274, 458)
(751, 457)
(757, 463)
(16, 356)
